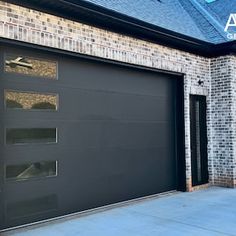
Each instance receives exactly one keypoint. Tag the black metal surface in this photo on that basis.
(117, 131)
(91, 14)
(180, 136)
(199, 159)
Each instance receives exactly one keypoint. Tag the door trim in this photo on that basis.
(198, 139)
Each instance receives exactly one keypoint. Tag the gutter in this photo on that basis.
(92, 14)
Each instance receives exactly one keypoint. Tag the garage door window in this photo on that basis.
(31, 135)
(30, 100)
(31, 170)
(25, 65)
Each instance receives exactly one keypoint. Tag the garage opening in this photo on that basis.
(78, 134)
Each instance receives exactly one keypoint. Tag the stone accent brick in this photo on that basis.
(35, 27)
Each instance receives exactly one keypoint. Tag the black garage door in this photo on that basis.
(78, 134)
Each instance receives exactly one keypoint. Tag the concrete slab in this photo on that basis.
(210, 212)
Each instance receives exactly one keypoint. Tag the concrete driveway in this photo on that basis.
(207, 212)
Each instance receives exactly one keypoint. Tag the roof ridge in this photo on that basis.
(212, 20)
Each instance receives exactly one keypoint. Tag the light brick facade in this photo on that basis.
(218, 75)
(223, 92)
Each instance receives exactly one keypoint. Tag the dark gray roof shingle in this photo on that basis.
(168, 14)
(194, 18)
(205, 20)
(220, 9)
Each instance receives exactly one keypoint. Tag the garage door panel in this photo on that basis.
(91, 165)
(31, 218)
(99, 105)
(135, 134)
(34, 153)
(113, 79)
(94, 165)
(84, 83)
(81, 163)
(109, 134)
(136, 184)
(91, 140)
(104, 105)
(30, 123)
(31, 117)
(31, 209)
(30, 189)
(134, 104)
(19, 85)
(92, 112)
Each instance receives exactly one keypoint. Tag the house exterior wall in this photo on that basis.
(35, 27)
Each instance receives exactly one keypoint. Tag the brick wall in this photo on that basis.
(39, 28)
(233, 115)
(223, 134)
(223, 74)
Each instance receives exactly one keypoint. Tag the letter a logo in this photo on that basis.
(231, 22)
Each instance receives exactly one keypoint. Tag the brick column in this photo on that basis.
(233, 83)
(223, 121)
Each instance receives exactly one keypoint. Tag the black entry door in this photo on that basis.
(199, 158)
(78, 134)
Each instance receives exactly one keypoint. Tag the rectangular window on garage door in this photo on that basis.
(34, 170)
(35, 67)
(31, 135)
(30, 100)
